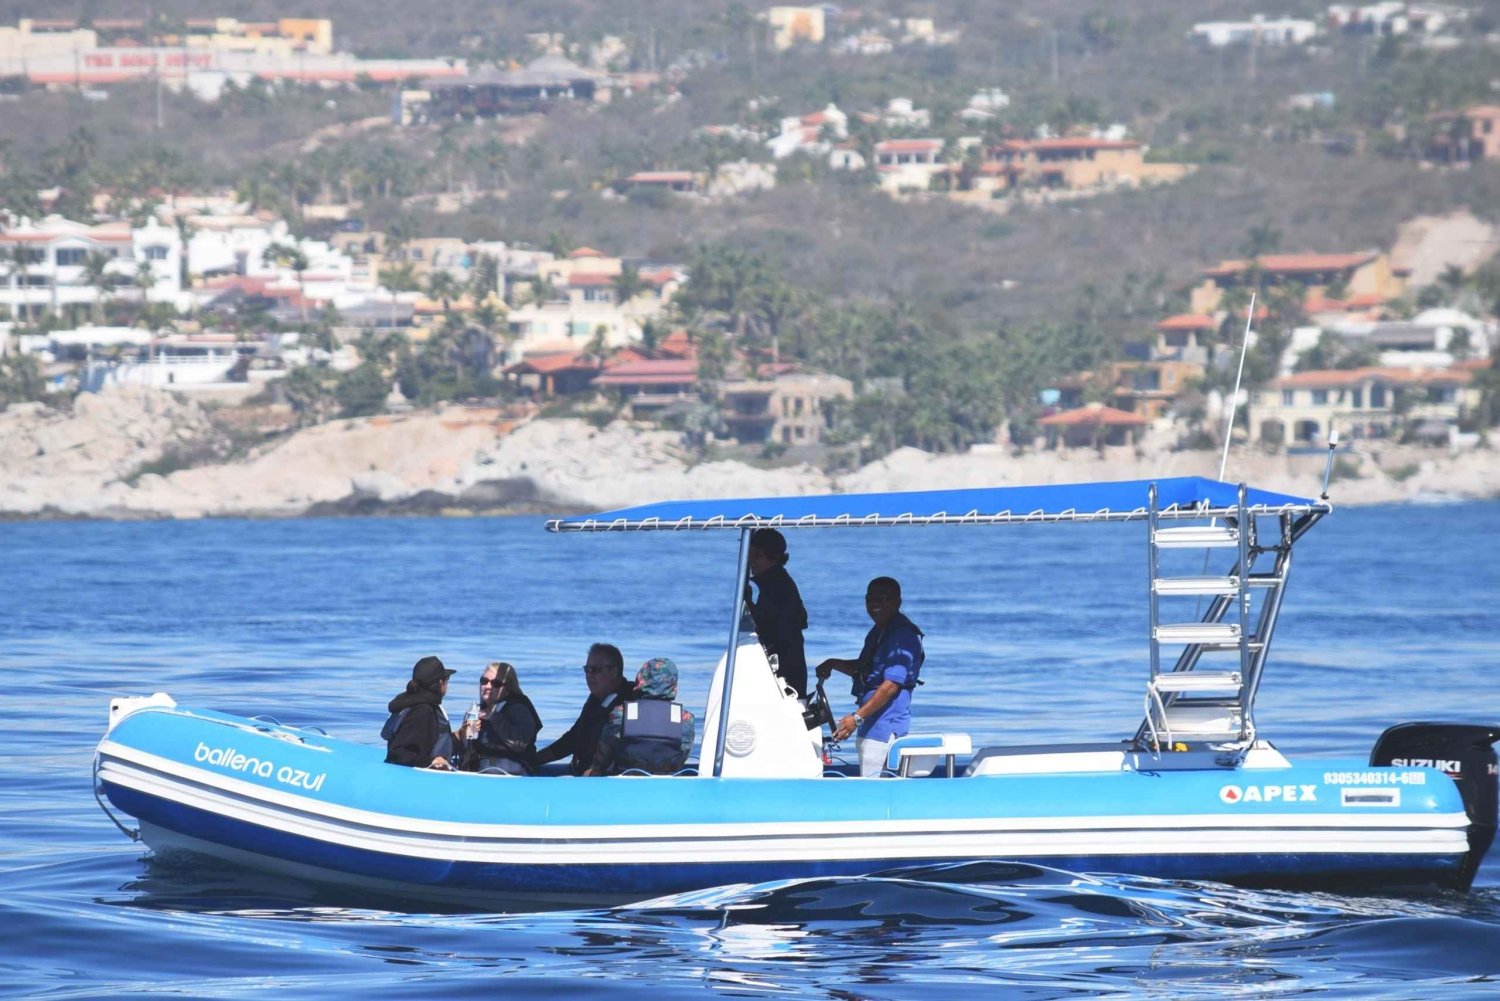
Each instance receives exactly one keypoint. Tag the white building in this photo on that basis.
(809, 133)
(1386, 18)
(985, 104)
(899, 113)
(45, 264)
(1434, 338)
(866, 43)
(238, 245)
(1259, 30)
(586, 306)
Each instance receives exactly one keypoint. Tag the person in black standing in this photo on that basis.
(604, 672)
(777, 608)
(418, 733)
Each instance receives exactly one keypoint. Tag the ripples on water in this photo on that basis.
(1392, 615)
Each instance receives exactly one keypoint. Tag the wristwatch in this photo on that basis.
(859, 720)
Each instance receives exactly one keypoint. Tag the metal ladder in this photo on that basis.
(1214, 707)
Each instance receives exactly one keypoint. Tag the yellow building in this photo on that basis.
(1080, 162)
(289, 35)
(792, 25)
(1365, 276)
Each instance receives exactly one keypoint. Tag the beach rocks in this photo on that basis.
(122, 453)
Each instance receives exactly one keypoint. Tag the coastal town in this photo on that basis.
(329, 291)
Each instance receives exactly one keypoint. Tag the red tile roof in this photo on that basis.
(908, 145)
(550, 364)
(1336, 378)
(677, 343)
(1081, 142)
(584, 252)
(660, 177)
(1094, 414)
(1188, 321)
(590, 279)
(1295, 263)
(654, 372)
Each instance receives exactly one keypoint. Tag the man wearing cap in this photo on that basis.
(418, 733)
(884, 673)
(780, 617)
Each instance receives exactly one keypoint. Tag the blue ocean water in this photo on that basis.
(1035, 634)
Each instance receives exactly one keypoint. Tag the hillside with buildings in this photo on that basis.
(796, 238)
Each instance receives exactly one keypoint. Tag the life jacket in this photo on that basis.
(443, 747)
(867, 680)
(503, 745)
(651, 737)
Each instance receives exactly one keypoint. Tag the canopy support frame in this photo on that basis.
(738, 604)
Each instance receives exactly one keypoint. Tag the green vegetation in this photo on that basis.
(948, 318)
(21, 380)
(169, 462)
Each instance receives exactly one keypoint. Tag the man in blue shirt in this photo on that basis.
(884, 675)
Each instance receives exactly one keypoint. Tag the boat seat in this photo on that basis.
(911, 753)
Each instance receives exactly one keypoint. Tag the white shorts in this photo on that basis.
(872, 755)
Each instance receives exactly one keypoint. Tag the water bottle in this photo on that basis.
(472, 716)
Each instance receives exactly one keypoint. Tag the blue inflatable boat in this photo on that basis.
(1196, 792)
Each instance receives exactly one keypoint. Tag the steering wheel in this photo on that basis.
(818, 711)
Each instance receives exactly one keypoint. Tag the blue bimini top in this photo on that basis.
(1125, 500)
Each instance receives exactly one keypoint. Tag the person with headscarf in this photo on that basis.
(651, 733)
(777, 608)
(503, 738)
(417, 733)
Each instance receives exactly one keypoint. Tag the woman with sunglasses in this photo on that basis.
(503, 738)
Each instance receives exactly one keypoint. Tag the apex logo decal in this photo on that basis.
(1268, 794)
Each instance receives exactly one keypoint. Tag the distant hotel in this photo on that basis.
(205, 56)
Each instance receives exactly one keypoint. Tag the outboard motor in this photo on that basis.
(1467, 753)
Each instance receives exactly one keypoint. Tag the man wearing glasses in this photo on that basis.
(884, 673)
(604, 673)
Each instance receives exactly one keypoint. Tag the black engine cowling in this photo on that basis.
(1467, 753)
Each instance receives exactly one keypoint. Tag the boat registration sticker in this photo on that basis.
(1370, 797)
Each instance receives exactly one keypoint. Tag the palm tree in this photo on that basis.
(489, 319)
(628, 283)
(400, 278)
(20, 266)
(1455, 284)
(541, 290)
(1262, 239)
(486, 279)
(443, 287)
(145, 280)
(96, 272)
(291, 256)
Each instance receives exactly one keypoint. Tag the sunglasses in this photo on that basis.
(596, 670)
(490, 682)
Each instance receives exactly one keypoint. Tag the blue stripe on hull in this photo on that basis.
(350, 865)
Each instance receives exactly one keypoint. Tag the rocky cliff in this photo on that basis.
(113, 455)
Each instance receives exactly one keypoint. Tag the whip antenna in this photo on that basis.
(1333, 443)
(1234, 402)
(1234, 399)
